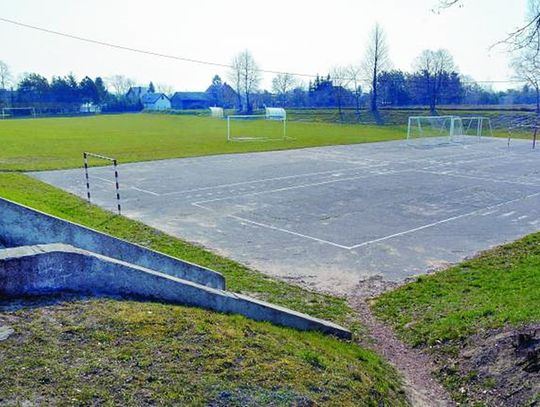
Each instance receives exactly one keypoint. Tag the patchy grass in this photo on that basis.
(54, 143)
(499, 287)
(106, 352)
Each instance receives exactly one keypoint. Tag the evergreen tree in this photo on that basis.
(101, 91)
(88, 90)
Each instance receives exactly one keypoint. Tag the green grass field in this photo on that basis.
(54, 143)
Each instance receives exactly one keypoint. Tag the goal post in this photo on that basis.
(114, 163)
(434, 130)
(430, 129)
(479, 126)
(18, 112)
(271, 126)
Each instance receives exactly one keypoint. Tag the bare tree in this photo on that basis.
(526, 36)
(375, 61)
(340, 81)
(526, 65)
(434, 67)
(354, 73)
(5, 75)
(165, 88)
(120, 84)
(246, 77)
(282, 84)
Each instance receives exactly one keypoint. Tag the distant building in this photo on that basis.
(156, 101)
(191, 100)
(136, 93)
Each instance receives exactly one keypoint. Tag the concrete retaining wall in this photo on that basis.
(44, 269)
(21, 225)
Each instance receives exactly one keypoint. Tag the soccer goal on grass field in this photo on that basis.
(263, 127)
(435, 130)
(18, 112)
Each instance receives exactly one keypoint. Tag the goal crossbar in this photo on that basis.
(6, 110)
(448, 129)
(257, 119)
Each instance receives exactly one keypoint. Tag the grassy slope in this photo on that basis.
(103, 351)
(499, 287)
(53, 143)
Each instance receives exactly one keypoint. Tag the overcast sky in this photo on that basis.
(299, 36)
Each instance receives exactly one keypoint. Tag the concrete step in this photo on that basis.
(50, 268)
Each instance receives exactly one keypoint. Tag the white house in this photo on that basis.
(156, 101)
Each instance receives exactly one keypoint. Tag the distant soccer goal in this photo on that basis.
(216, 112)
(436, 130)
(267, 127)
(18, 112)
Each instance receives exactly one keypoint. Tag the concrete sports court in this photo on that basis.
(330, 217)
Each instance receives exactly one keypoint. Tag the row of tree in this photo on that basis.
(67, 94)
(434, 81)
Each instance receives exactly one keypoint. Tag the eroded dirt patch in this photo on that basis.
(496, 367)
(415, 366)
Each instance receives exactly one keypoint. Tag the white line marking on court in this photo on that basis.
(263, 225)
(287, 231)
(269, 191)
(145, 191)
(444, 221)
(102, 179)
(381, 239)
(259, 181)
(130, 187)
(476, 177)
(507, 214)
(490, 212)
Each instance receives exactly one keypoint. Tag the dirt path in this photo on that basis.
(415, 367)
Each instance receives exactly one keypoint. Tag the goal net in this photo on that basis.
(436, 130)
(477, 126)
(14, 112)
(256, 128)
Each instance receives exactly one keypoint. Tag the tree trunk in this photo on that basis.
(248, 104)
(374, 94)
(357, 97)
